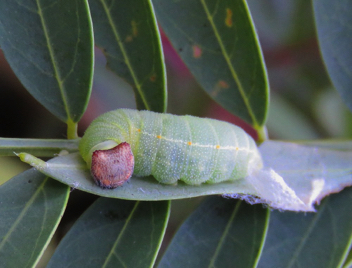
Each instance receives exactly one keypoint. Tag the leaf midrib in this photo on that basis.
(124, 53)
(224, 235)
(112, 251)
(306, 236)
(53, 60)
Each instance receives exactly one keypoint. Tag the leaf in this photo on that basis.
(114, 233)
(348, 263)
(49, 46)
(10, 167)
(220, 233)
(282, 24)
(128, 34)
(311, 172)
(332, 114)
(288, 122)
(73, 171)
(333, 22)
(294, 177)
(31, 208)
(218, 43)
(321, 239)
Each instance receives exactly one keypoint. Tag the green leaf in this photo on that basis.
(333, 22)
(332, 114)
(294, 177)
(321, 239)
(10, 167)
(220, 233)
(73, 171)
(348, 263)
(49, 46)
(37, 147)
(128, 34)
(114, 233)
(288, 122)
(218, 43)
(282, 24)
(31, 208)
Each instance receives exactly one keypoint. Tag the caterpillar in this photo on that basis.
(169, 147)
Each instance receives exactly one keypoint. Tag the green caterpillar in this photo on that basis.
(169, 147)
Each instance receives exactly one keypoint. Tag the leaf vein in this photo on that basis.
(124, 53)
(228, 61)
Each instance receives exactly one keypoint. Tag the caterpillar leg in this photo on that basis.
(111, 168)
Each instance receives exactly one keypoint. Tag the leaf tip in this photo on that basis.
(32, 160)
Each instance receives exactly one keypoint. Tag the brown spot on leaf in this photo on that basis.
(129, 38)
(220, 85)
(134, 32)
(223, 84)
(197, 51)
(111, 168)
(153, 78)
(228, 20)
(134, 28)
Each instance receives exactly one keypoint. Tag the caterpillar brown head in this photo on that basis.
(111, 168)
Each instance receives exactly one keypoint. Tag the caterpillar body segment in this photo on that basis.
(171, 148)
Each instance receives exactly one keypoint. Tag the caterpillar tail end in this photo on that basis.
(112, 168)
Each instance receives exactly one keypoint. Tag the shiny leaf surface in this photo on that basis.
(31, 207)
(127, 33)
(114, 233)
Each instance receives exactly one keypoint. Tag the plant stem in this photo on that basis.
(262, 134)
(37, 147)
(71, 130)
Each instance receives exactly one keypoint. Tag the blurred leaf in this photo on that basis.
(288, 122)
(110, 90)
(114, 233)
(294, 177)
(220, 233)
(31, 208)
(10, 167)
(321, 239)
(50, 48)
(330, 144)
(332, 113)
(333, 22)
(281, 23)
(218, 43)
(37, 147)
(128, 34)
